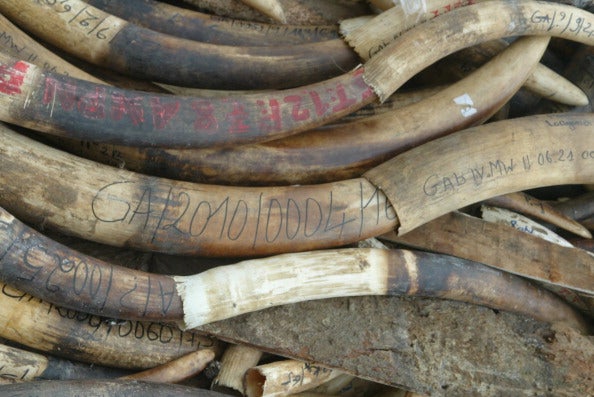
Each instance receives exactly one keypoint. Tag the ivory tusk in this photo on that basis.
(228, 291)
(45, 327)
(566, 271)
(121, 46)
(343, 151)
(530, 206)
(177, 370)
(542, 81)
(451, 172)
(236, 360)
(369, 38)
(26, 48)
(114, 206)
(382, 4)
(302, 12)
(43, 102)
(272, 8)
(257, 284)
(282, 378)
(23, 365)
(193, 25)
(203, 218)
(102, 387)
(524, 224)
(578, 208)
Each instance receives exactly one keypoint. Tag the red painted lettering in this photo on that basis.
(297, 113)
(92, 105)
(12, 77)
(162, 113)
(205, 116)
(60, 92)
(123, 106)
(236, 119)
(343, 101)
(320, 106)
(271, 118)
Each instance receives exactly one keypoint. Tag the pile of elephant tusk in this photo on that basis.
(296, 197)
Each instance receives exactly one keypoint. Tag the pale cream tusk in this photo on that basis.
(282, 378)
(522, 223)
(271, 8)
(368, 38)
(550, 85)
(236, 360)
(250, 285)
(176, 370)
(371, 37)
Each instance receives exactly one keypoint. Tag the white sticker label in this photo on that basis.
(467, 104)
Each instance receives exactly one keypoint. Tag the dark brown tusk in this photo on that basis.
(567, 271)
(193, 25)
(578, 208)
(338, 152)
(36, 264)
(309, 12)
(90, 112)
(103, 39)
(113, 388)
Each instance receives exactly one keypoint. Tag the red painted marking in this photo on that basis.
(271, 118)
(92, 105)
(205, 116)
(123, 106)
(62, 93)
(360, 83)
(297, 113)
(320, 107)
(12, 77)
(237, 118)
(344, 101)
(162, 113)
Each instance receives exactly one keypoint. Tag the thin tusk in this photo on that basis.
(193, 25)
(176, 370)
(530, 206)
(272, 8)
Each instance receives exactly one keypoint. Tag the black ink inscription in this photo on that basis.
(99, 329)
(438, 185)
(167, 213)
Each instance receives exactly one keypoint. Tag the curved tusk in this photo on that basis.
(193, 25)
